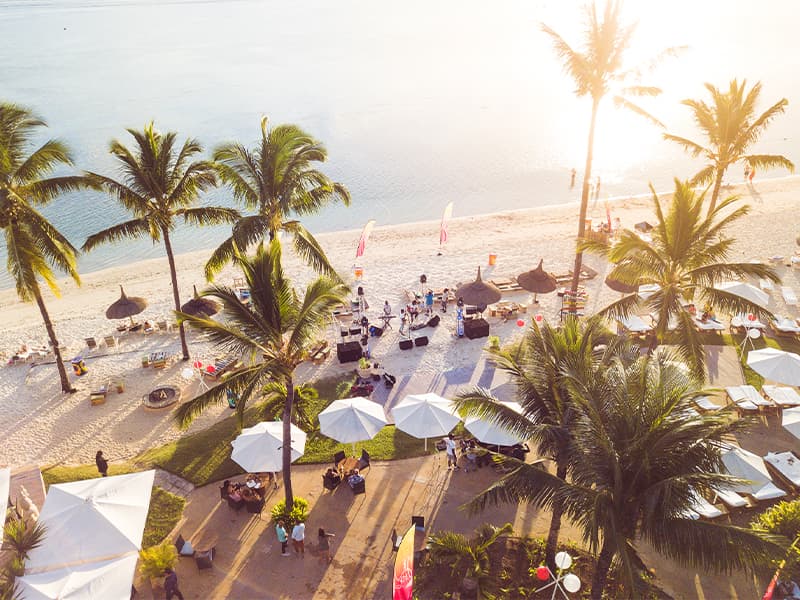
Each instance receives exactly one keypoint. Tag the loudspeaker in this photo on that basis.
(476, 328)
(406, 344)
(348, 352)
(421, 341)
(375, 331)
(433, 321)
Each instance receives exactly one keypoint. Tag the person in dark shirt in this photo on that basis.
(171, 584)
(102, 463)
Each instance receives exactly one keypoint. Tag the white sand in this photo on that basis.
(38, 424)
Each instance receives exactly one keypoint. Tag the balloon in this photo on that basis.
(563, 560)
(520, 322)
(197, 364)
(572, 583)
(542, 573)
(539, 318)
(751, 317)
(187, 373)
(210, 369)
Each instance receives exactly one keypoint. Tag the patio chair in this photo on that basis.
(205, 558)
(788, 295)
(363, 462)
(359, 488)
(330, 483)
(338, 458)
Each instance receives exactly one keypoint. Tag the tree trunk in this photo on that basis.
(715, 191)
(601, 570)
(555, 523)
(176, 296)
(66, 387)
(587, 174)
(287, 445)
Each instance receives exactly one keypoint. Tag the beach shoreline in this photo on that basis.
(43, 426)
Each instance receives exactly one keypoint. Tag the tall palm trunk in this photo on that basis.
(715, 192)
(601, 570)
(555, 522)
(287, 444)
(587, 175)
(66, 387)
(174, 276)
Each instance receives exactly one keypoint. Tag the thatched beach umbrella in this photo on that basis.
(200, 307)
(537, 281)
(479, 292)
(619, 286)
(126, 307)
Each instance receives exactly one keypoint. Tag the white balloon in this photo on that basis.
(187, 373)
(563, 560)
(571, 583)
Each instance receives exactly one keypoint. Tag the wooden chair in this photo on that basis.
(91, 343)
(111, 342)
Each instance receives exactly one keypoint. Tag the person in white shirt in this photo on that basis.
(298, 539)
(450, 446)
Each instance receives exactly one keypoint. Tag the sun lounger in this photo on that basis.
(587, 273)
(786, 465)
(746, 322)
(221, 366)
(766, 285)
(91, 344)
(704, 404)
(111, 342)
(703, 508)
(319, 352)
(507, 285)
(782, 396)
(747, 399)
(785, 327)
(635, 324)
(730, 498)
(708, 325)
(788, 295)
(750, 468)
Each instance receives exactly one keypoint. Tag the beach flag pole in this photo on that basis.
(448, 212)
(362, 245)
(608, 217)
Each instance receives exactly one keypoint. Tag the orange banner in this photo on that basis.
(403, 584)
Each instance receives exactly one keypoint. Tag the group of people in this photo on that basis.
(298, 538)
(243, 493)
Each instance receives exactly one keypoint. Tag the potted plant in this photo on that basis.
(364, 368)
(153, 561)
(494, 342)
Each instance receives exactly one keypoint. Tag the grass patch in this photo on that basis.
(65, 474)
(750, 376)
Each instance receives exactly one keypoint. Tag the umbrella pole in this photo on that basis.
(426, 445)
(535, 300)
(354, 449)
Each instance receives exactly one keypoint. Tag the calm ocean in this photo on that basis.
(419, 103)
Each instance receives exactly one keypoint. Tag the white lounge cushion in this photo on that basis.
(787, 464)
(705, 404)
(704, 508)
(788, 295)
(635, 324)
(782, 395)
(745, 396)
(785, 325)
(731, 498)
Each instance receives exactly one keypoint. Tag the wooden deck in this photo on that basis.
(31, 478)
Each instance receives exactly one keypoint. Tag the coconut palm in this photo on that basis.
(467, 556)
(537, 369)
(277, 180)
(598, 70)
(33, 246)
(686, 258)
(272, 333)
(159, 186)
(731, 127)
(638, 457)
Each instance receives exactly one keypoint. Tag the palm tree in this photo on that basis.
(273, 333)
(686, 259)
(158, 186)
(598, 70)
(34, 247)
(537, 369)
(731, 127)
(20, 536)
(639, 456)
(276, 179)
(468, 556)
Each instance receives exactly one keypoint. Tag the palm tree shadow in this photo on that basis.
(754, 193)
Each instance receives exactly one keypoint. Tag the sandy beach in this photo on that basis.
(40, 425)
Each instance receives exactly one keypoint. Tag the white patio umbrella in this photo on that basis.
(791, 421)
(746, 291)
(352, 420)
(91, 520)
(775, 365)
(489, 432)
(746, 465)
(259, 449)
(88, 581)
(425, 415)
(5, 485)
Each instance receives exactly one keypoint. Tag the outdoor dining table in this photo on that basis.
(347, 466)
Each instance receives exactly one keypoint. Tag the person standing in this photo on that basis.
(746, 171)
(597, 188)
(752, 174)
(445, 299)
(403, 321)
(325, 545)
(171, 584)
(429, 302)
(572, 179)
(299, 538)
(450, 447)
(102, 463)
(283, 537)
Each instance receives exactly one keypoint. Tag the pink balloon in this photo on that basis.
(751, 317)
(539, 318)
(542, 573)
(210, 369)
(520, 323)
(197, 364)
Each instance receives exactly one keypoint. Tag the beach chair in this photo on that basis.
(729, 498)
(98, 397)
(788, 295)
(782, 396)
(111, 342)
(766, 285)
(91, 344)
(635, 326)
(705, 405)
(786, 466)
(163, 326)
(709, 325)
(701, 508)
(785, 327)
(747, 399)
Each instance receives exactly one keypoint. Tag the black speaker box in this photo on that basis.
(421, 340)
(476, 328)
(406, 344)
(433, 321)
(348, 352)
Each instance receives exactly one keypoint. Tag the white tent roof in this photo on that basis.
(491, 433)
(746, 465)
(352, 420)
(5, 484)
(91, 520)
(791, 420)
(425, 415)
(776, 365)
(105, 579)
(746, 291)
(259, 449)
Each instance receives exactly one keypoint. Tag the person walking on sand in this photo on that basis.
(572, 179)
(746, 171)
(299, 539)
(171, 584)
(445, 298)
(283, 537)
(752, 174)
(325, 545)
(102, 463)
(597, 188)
(450, 447)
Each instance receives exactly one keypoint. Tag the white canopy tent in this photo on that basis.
(89, 581)
(490, 432)
(425, 415)
(352, 420)
(259, 449)
(775, 365)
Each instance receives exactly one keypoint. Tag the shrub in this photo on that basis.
(155, 559)
(783, 519)
(298, 513)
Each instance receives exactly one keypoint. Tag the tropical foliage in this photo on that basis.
(731, 127)
(598, 69)
(272, 333)
(686, 258)
(20, 536)
(34, 247)
(276, 180)
(159, 185)
(784, 519)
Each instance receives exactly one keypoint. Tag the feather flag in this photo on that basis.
(448, 212)
(403, 580)
(362, 241)
(608, 217)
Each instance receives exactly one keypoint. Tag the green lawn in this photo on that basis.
(750, 376)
